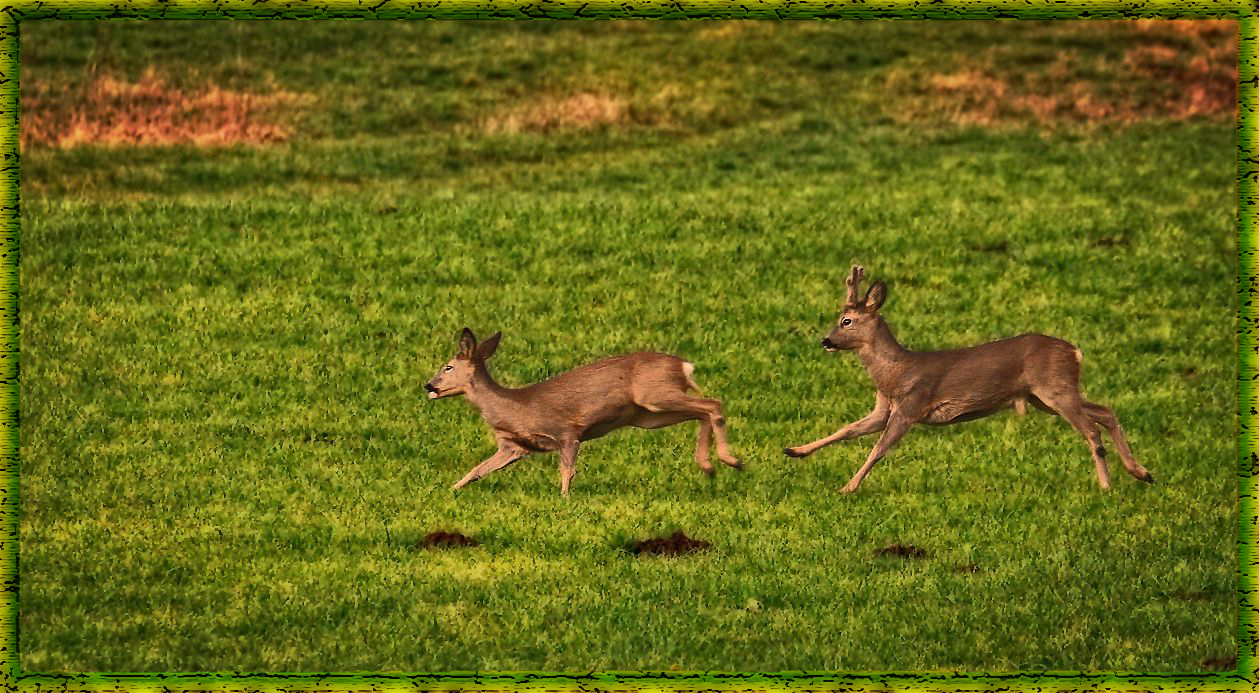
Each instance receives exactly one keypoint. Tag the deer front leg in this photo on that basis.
(568, 464)
(874, 421)
(897, 425)
(505, 456)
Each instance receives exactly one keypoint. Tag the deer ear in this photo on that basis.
(487, 348)
(876, 296)
(467, 344)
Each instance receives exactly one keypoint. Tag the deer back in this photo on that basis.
(606, 391)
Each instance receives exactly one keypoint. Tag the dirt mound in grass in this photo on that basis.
(446, 540)
(674, 545)
(901, 551)
(149, 112)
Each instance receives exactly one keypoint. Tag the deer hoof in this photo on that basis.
(849, 489)
(709, 471)
(792, 452)
(734, 464)
(1148, 478)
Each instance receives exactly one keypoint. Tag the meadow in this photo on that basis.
(246, 246)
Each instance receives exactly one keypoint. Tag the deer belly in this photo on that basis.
(600, 429)
(956, 412)
(534, 442)
(610, 420)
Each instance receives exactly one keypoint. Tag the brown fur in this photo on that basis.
(645, 390)
(947, 387)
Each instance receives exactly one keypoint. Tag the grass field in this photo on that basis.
(226, 459)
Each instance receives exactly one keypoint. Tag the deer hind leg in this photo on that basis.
(1070, 406)
(661, 419)
(701, 447)
(702, 408)
(1107, 419)
(718, 420)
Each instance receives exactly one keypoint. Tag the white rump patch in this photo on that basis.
(688, 369)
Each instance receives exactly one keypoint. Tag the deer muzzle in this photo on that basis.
(432, 391)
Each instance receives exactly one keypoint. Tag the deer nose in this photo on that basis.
(429, 387)
(827, 343)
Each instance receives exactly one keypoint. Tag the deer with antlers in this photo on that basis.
(947, 387)
(645, 390)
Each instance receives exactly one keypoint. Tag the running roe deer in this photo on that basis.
(946, 387)
(646, 390)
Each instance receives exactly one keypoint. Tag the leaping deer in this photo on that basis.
(646, 390)
(947, 387)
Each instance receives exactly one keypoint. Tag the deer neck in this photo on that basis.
(489, 398)
(883, 357)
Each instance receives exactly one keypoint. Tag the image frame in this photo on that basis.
(1247, 291)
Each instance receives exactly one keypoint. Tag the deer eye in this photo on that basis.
(450, 368)
(845, 322)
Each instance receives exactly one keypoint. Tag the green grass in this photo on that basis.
(226, 459)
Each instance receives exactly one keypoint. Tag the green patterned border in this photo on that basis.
(624, 9)
(13, 12)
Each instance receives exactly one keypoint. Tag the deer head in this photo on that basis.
(457, 375)
(859, 319)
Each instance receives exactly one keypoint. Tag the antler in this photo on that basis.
(858, 273)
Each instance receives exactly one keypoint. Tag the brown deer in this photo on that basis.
(646, 390)
(947, 387)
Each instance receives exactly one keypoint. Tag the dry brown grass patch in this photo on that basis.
(583, 110)
(735, 28)
(1203, 78)
(149, 112)
(1200, 28)
(1173, 70)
